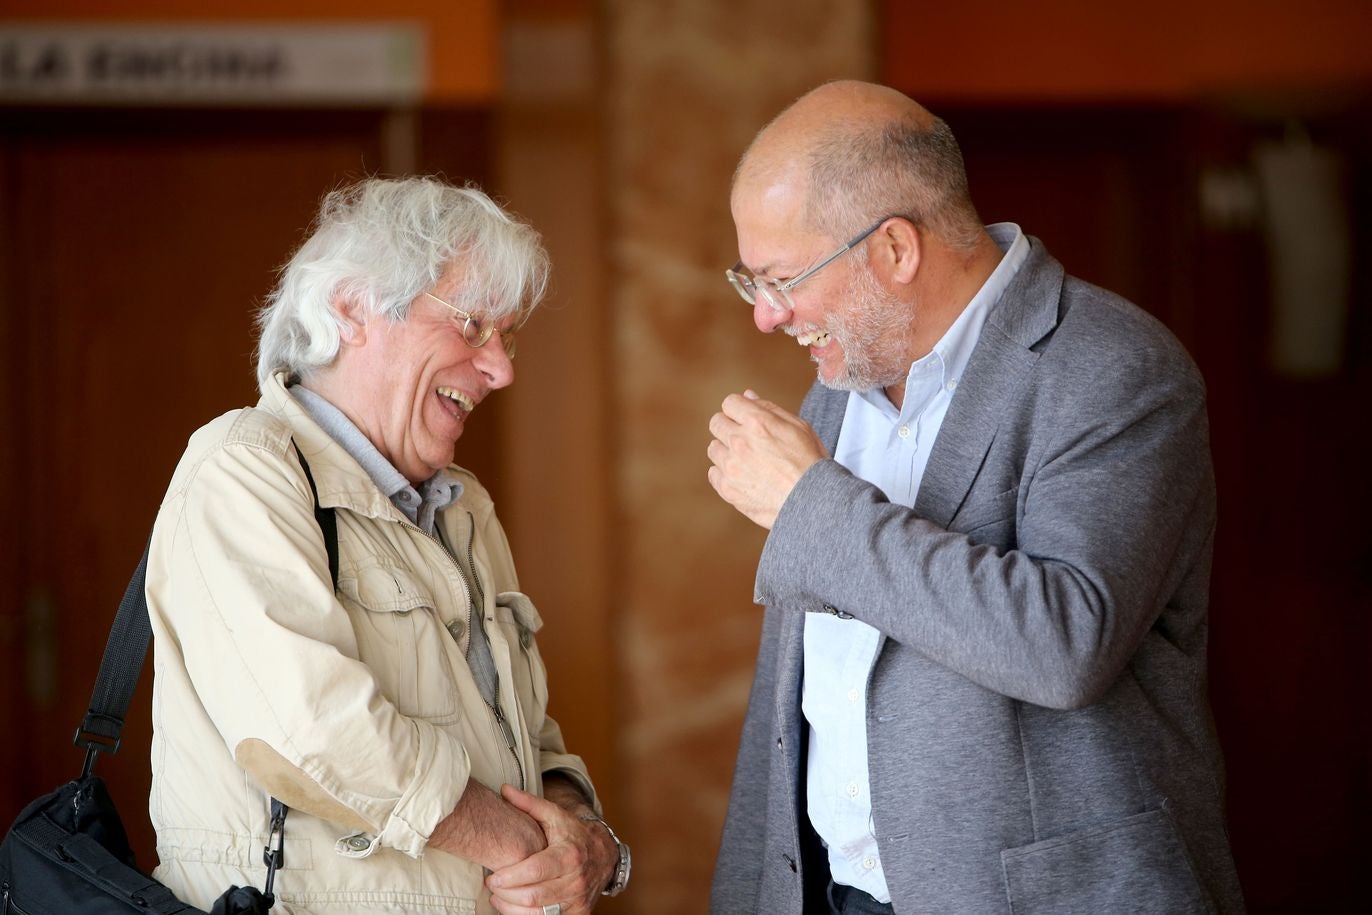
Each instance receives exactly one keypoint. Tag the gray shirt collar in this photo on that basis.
(420, 504)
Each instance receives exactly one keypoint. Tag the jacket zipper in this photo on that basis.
(505, 730)
(503, 725)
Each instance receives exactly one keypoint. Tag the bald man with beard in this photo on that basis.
(981, 681)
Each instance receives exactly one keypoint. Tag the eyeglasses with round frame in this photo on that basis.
(777, 293)
(476, 333)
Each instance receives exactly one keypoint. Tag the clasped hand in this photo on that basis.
(571, 871)
(758, 454)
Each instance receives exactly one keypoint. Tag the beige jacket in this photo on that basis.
(355, 708)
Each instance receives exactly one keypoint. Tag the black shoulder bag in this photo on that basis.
(67, 852)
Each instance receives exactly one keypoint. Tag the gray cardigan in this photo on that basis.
(1038, 733)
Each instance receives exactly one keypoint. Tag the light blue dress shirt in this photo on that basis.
(888, 448)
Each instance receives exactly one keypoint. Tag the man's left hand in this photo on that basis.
(758, 454)
(578, 863)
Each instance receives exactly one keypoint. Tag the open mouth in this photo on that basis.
(458, 404)
(816, 338)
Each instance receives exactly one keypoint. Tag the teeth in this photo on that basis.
(813, 338)
(462, 400)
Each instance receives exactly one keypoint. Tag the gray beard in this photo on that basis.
(868, 330)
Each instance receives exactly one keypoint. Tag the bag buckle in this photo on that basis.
(274, 858)
(100, 743)
(97, 734)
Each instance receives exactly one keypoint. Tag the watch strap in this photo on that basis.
(620, 879)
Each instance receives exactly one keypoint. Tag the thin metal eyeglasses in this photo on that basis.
(475, 333)
(778, 294)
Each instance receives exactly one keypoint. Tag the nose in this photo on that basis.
(769, 317)
(494, 364)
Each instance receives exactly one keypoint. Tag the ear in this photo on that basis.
(352, 319)
(898, 250)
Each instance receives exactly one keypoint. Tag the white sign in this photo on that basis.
(267, 65)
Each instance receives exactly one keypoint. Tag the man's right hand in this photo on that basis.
(487, 829)
(758, 453)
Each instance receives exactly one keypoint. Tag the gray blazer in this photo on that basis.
(1038, 734)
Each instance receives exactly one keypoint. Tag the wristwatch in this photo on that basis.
(621, 875)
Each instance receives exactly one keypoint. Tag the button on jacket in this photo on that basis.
(355, 708)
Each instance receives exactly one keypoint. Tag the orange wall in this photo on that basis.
(1075, 50)
(1054, 49)
(463, 49)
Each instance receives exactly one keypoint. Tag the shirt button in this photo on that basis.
(852, 695)
(868, 863)
(952, 384)
(852, 789)
(903, 432)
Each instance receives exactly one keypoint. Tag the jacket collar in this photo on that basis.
(1028, 310)
(1026, 313)
(340, 480)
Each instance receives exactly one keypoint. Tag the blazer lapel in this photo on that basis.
(997, 368)
(823, 409)
(1000, 364)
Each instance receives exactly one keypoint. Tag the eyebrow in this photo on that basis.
(758, 273)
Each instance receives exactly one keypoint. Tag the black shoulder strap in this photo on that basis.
(125, 652)
(127, 647)
(326, 520)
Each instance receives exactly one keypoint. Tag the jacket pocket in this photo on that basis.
(402, 641)
(989, 520)
(516, 614)
(1137, 864)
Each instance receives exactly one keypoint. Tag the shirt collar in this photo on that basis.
(950, 355)
(434, 494)
(957, 344)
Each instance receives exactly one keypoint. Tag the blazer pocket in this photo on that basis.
(1137, 864)
(402, 641)
(980, 514)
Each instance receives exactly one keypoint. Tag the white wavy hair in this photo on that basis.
(380, 243)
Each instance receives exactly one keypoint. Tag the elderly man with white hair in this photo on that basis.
(391, 694)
